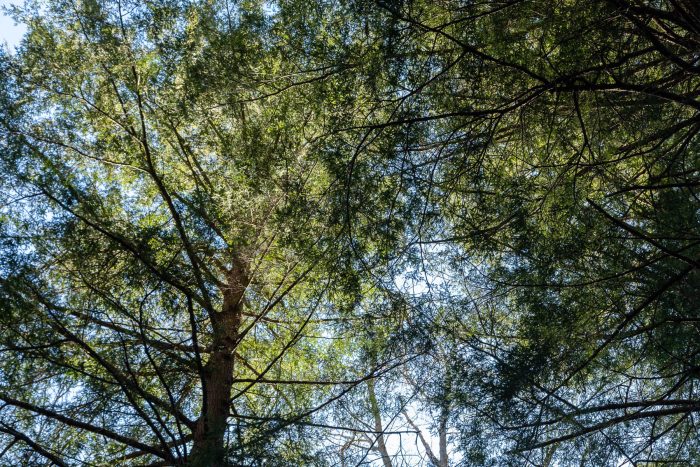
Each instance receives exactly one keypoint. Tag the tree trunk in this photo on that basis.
(374, 407)
(442, 433)
(208, 447)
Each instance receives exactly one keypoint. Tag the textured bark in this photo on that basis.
(208, 447)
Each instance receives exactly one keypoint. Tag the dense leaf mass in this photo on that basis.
(350, 232)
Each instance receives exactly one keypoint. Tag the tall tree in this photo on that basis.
(173, 283)
(557, 169)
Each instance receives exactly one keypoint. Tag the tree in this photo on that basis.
(173, 282)
(557, 171)
(288, 233)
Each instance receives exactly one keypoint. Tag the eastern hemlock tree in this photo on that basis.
(558, 183)
(174, 282)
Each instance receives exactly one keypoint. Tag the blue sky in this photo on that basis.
(10, 33)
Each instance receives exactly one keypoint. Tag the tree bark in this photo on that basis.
(442, 433)
(217, 380)
(374, 407)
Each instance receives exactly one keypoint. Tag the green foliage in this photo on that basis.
(292, 232)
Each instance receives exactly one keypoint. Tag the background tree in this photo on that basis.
(556, 168)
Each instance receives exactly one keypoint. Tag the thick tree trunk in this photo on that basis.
(208, 447)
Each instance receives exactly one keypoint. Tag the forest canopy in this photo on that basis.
(350, 232)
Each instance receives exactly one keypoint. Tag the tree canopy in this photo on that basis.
(350, 232)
